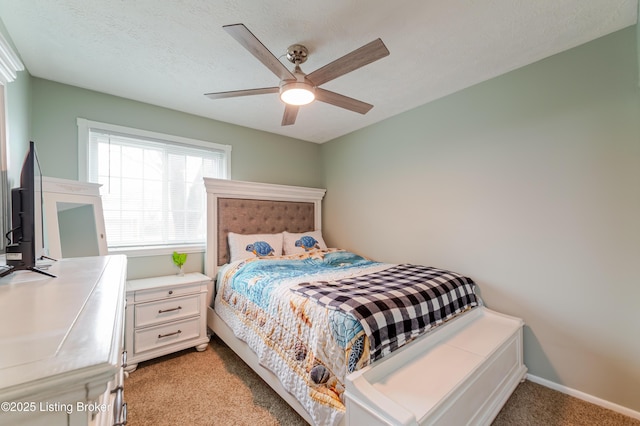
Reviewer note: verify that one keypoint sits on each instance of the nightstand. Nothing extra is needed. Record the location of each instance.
(164, 315)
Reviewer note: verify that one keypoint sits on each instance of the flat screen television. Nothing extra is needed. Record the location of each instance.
(26, 236)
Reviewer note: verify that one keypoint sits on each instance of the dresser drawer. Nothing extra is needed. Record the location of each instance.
(165, 292)
(166, 310)
(167, 334)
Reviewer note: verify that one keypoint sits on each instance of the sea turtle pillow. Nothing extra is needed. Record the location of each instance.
(244, 246)
(303, 242)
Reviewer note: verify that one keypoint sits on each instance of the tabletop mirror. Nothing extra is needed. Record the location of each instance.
(73, 218)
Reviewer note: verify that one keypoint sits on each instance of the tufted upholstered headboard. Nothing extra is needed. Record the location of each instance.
(245, 216)
(255, 208)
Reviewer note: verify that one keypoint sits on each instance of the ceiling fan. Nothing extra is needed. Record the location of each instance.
(297, 88)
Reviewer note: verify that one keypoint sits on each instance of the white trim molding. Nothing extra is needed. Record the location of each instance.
(584, 396)
(157, 250)
(10, 63)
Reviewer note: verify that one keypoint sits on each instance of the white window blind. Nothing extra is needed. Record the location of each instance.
(152, 189)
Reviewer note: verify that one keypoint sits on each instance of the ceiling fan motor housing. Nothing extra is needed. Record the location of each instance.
(299, 91)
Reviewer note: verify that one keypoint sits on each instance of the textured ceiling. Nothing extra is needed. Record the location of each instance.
(170, 52)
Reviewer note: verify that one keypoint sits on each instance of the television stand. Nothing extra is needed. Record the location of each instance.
(9, 269)
(5, 270)
(41, 271)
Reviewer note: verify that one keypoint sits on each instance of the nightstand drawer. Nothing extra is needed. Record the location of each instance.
(167, 334)
(165, 314)
(166, 292)
(166, 310)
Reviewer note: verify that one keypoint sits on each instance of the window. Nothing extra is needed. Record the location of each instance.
(152, 189)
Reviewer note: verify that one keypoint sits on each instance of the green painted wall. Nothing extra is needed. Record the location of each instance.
(256, 155)
(529, 183)
(17, 95)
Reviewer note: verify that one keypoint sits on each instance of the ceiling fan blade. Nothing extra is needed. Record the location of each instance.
(257, 49)
(290, 114)
(342, 101)
(360, 57)
(248, 92)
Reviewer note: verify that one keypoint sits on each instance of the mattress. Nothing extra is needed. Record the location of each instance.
(315, 318)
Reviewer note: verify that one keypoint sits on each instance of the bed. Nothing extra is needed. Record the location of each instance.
(330, 361)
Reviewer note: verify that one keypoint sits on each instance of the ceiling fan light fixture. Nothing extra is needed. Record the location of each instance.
(297, 93)
(295, 88)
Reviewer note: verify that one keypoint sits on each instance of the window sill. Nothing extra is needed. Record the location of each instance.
(156, 250)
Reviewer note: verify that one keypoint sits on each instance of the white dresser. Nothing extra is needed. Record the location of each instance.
(164, 315)
(61, 344)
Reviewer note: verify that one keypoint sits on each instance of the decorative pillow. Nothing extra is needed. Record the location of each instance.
(302, 242)
(244, 246)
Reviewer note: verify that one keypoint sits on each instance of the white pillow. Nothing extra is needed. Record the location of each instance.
(300, 243)
(244, 246)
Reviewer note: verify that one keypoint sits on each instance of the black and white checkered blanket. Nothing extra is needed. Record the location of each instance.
(397, 304)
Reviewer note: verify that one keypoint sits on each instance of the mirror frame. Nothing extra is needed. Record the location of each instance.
(54, 191)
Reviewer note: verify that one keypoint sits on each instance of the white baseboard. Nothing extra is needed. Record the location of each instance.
(584, 396)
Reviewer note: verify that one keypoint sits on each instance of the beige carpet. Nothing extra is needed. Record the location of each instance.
(215, 387)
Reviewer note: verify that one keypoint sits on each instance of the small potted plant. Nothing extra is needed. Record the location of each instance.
(179, 259)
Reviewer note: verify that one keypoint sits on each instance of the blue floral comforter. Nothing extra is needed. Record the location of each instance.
(311, 346)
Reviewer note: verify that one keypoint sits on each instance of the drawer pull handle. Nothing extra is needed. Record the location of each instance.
(162, 311)
(123, 415)
(160, 336)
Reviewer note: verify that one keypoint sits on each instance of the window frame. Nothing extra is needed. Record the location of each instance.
(84, 128)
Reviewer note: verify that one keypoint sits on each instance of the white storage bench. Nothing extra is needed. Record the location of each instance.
(459, 374)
